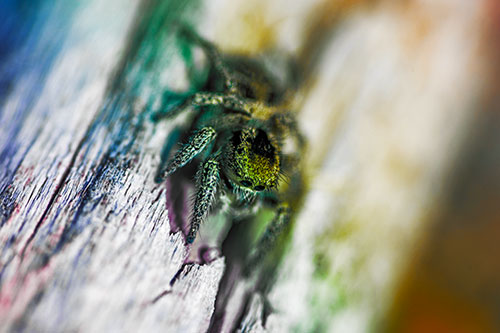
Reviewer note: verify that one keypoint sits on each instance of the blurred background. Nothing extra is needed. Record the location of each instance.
(399, 101)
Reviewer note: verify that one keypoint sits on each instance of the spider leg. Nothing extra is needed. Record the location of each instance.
(195, 145)
(286, 123)
(214, 56)
(206, 187)
(268, 239)
(229, 101)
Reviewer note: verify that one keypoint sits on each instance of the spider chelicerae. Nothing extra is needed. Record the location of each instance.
(249, 139)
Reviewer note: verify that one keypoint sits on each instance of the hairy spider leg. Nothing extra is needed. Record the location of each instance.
(214, 56)
(268, 239)
(231, 102)
(195, 145)
(230, 77)
(228, 123)
(206, 187)
(286, 123)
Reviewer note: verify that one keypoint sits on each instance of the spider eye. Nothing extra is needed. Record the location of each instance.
(259, 188)
(246, 183)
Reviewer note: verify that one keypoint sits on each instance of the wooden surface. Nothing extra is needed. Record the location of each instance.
(89, 239)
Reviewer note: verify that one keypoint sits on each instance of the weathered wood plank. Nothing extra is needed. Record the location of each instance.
(86, 191)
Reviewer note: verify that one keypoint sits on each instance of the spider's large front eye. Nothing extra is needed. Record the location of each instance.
(246, 183)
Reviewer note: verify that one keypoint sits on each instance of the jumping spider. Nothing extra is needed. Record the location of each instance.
(250, 138)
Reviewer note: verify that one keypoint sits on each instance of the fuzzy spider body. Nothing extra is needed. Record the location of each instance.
(241, 126)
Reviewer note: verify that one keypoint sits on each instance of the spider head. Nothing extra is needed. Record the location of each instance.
(253, 160)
